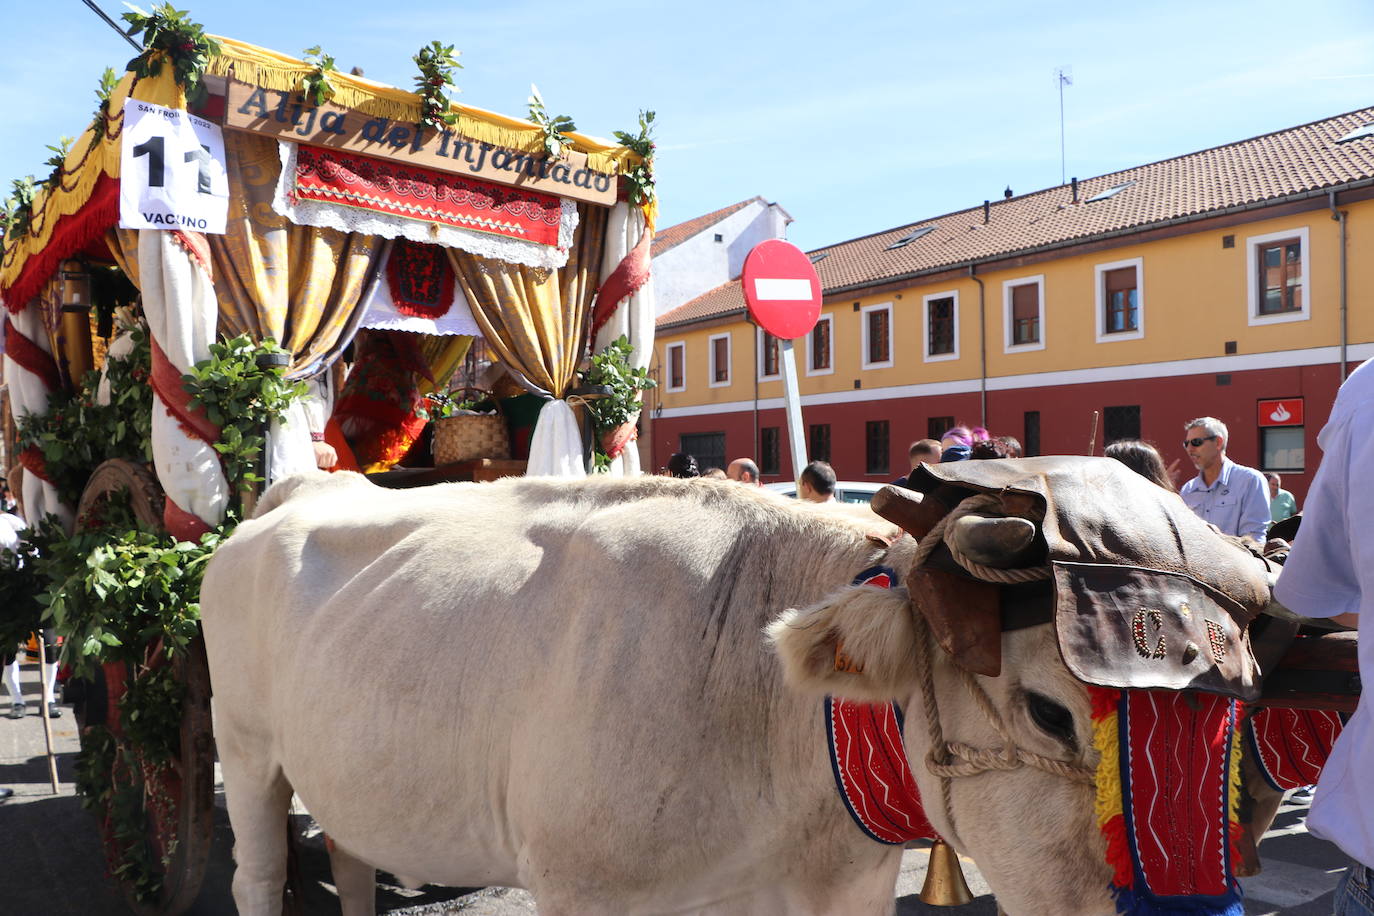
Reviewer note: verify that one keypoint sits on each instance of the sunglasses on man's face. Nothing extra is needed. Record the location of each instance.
(1196, 442)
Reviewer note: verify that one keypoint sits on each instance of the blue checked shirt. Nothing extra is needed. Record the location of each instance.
(1237, 502)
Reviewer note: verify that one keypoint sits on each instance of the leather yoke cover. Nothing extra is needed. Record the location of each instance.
(1124, 626)
(1121, 545)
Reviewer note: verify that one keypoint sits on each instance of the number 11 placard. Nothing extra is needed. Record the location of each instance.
(171, 171)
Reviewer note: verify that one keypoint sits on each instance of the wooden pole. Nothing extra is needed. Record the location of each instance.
(1092, 439)
(43, 711)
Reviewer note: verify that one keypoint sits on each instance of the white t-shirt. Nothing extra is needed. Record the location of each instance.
(1330, 572)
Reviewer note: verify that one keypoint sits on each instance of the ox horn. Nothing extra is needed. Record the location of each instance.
(1001, 543)
(945, 884)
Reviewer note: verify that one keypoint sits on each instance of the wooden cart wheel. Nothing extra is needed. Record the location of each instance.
(175, 799)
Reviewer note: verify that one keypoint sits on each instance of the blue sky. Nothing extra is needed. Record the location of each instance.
(856, 117)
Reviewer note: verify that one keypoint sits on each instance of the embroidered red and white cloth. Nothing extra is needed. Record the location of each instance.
(1176, 769)
(353, 193)
(869, 760)
(1291, 745)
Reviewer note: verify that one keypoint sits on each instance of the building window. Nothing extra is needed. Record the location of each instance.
(769, 351)
(677, 366)
(1120, 423)
(1278, 277)
(1023, 314)
(719, 347)
(1282, 448)
(1030, 440)
(707, 448)
(877, 336)
(876, 451)
(818, 435)
(820, 348)
(938, 426)
(1120, 300)
(942, 326)
(770, 450)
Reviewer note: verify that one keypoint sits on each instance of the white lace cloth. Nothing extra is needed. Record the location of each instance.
(381, 314)
(389, 226)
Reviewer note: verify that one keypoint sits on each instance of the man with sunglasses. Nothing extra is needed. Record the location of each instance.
(1231, 496)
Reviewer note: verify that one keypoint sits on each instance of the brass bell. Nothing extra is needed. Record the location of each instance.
(945, 884)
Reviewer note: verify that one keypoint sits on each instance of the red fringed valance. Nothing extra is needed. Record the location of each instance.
(70, 236)
(395, 189)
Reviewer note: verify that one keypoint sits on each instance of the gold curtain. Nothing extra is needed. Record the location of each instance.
(300, 285)
(123, 244)
(535, 319)
(443, 355)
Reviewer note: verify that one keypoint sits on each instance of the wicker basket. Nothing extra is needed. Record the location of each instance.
(469, 436)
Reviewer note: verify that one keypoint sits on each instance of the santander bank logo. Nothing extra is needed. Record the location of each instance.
(1281, 414)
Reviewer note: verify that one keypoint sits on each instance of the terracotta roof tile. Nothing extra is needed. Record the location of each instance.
(726, 298)
(676, 235)
(1267, 168)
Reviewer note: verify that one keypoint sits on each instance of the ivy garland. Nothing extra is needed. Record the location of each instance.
(77, 433)
(118, 592)
(241, 387)
(610, 369)
(170, 35)
(437, 63)
(18, 210)
(555, 130)
(316, 84)
(640, 179)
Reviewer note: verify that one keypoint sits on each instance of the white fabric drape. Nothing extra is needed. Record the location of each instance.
(29, 395)
(635, 316)
(179, 302)
(556, 446)
(290, 448)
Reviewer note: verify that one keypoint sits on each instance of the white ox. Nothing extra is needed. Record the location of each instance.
(565, 686)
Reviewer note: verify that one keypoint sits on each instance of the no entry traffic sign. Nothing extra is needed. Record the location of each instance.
(781, 289)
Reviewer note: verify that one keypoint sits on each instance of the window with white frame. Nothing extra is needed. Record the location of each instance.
(718, 348)
(1120, 295)
(677, 366)
(877, 335)
(770, 352)
(820, 347)
(1023, 314)
(941, 330)
(1277, 267)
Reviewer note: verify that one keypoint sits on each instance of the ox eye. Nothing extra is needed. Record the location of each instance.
(1052, 718)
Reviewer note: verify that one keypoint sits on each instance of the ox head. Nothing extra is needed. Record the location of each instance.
(1106, 628)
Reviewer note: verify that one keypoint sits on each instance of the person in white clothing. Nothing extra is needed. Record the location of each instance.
(1330, 573)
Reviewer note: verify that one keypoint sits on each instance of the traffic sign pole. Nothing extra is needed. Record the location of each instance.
(792, 398)
(783, 293)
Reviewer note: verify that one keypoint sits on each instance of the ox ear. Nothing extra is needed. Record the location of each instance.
(965, 616)
(859, 644)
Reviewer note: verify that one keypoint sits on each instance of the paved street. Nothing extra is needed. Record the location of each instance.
(52, 858)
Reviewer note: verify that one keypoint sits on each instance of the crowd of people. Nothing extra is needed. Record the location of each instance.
(1237, 499)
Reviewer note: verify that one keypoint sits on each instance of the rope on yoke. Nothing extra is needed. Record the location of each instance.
(948, 759)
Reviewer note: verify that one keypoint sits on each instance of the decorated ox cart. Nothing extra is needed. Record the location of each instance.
(182, 295)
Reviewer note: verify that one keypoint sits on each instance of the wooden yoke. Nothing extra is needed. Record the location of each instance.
(1317, 672)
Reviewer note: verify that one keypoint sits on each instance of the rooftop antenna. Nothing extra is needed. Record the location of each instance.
(111, 23)
(1063, 76)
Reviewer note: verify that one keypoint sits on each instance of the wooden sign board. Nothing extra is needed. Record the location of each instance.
(286, 116)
